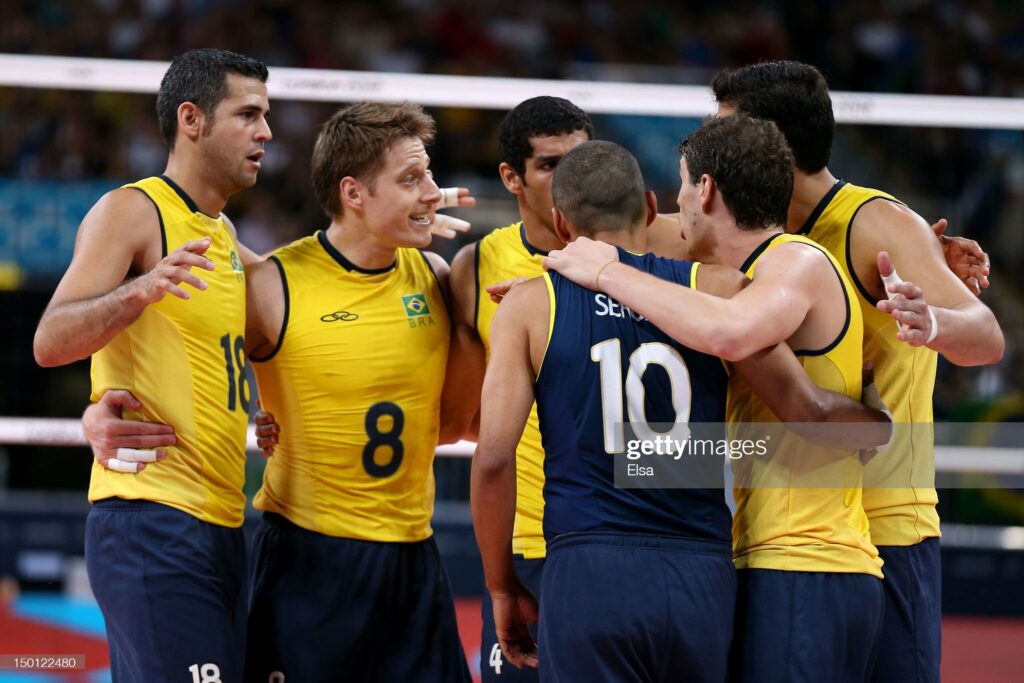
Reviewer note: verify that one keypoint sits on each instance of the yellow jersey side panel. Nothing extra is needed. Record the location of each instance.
(355, 384)
(905, 376)
(185, 361)
(502, 255)
(784, 522)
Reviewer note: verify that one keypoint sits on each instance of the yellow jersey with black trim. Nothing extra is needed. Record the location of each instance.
(900, 496)
(185, 362)
(784, 521)
(355, 384)
(505, 254)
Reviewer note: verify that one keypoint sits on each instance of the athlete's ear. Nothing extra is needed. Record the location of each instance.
(509, 176)
(708, 191)
(652, 207)
(351, 192)
(190, 120)
(561, 224)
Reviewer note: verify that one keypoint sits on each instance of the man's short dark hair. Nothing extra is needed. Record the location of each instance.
(749, 162)
(543, 116)
(599, 187)
(355, 142)
(200, 77)
(794, 96)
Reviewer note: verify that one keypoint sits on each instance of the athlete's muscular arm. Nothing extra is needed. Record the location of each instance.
(765, 313)
(120, 235)
(507, 398)
(464, 378)
(264, 308)
(968, 332)
(778, 379)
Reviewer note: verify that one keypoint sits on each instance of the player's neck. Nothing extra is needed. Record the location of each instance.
(208, 197)
(357, 247)
(539, 235)
(630, 240)
(808, 189)
(738, 245)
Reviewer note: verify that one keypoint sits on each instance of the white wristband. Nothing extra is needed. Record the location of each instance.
(935, 326)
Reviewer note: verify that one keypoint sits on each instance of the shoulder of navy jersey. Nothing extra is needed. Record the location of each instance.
(672, 270)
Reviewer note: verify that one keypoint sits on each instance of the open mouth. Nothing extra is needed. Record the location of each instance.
(255, 158)
(423, 219)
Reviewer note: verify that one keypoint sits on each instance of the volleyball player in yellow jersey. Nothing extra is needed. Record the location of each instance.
(349, 331)
(855, 224)
(534, 136)
(809, 605)
(164, 548)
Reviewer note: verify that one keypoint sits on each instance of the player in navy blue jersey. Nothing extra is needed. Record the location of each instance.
(639, 582)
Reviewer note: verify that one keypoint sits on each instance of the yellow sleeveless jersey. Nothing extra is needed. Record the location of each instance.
(505, 254)
(355, 383)
(905, 376)
(786, 523)
(185, 361)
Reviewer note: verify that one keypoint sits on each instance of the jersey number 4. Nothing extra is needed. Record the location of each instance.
(608, 355)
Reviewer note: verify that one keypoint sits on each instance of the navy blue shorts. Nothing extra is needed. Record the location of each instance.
(172, 592)
(912, 628)
(806, 626)
(494, 668)
(338, 609)
(621, 607)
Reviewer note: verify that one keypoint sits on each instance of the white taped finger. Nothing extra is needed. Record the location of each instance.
(122, 466)
(449, 197)
(443, 222)
(890, 281)
(444, 232)
(135, 455)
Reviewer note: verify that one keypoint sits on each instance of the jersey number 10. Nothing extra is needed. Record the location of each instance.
(608, 355)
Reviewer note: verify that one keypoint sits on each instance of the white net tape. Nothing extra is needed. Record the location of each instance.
(31, 71)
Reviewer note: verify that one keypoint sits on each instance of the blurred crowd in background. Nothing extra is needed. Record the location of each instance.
(974, 177)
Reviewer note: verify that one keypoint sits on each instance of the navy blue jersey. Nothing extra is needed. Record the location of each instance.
(606, 366)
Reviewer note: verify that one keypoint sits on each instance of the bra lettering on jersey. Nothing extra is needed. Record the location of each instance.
(417, 310)
(607, 306)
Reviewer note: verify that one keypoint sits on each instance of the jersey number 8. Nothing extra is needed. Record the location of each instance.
(390, 439)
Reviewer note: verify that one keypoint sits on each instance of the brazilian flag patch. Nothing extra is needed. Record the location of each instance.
(415, 305)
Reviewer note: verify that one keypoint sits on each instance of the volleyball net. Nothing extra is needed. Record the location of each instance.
(626, 99)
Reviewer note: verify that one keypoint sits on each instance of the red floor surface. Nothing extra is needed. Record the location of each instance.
(974, 648)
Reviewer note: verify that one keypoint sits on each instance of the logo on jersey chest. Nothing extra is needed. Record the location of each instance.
(237, 267)
(339, 316)
(417, 310)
